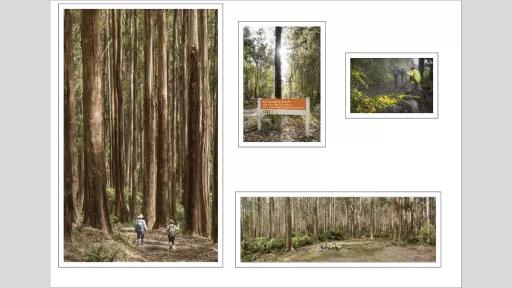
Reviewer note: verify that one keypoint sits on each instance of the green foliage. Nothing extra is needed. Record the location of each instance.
(300, 241)
(111, 197)
(332, 235)
(361, 103)
(302, 78)
(103, 254)
(262, 245)
(257, 245)
(304, 61)
(427, 234)
(358, 80)
(271, 123)
(248, 257)
(276, 243)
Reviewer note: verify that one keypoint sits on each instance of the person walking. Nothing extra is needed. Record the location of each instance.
(140, 228)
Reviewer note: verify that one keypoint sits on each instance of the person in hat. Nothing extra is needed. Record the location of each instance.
(140, 228)
(172, 230)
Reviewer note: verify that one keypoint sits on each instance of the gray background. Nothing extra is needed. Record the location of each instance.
(486, 143)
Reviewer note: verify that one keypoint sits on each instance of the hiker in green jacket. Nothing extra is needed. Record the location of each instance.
(415, 77)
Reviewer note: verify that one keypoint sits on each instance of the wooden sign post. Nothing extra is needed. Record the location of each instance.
(289, 106)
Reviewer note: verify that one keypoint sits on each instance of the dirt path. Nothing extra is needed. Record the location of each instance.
(280, 128)
(355, 251)
(90, 245)
(388, 88)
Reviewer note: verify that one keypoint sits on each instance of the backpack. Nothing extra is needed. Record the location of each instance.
(139, 227)
(172, 230)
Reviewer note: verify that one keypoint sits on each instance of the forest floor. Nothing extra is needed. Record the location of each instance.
(280, 128)
(355, 251)
(414, 103)
(91, 245)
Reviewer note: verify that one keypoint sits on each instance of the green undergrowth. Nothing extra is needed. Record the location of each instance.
(362, 103)
(92, 245)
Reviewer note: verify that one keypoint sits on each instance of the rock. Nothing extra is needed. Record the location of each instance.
(414, 105)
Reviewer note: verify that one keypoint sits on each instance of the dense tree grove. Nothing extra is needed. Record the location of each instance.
(268, 75)
(285, 223)
(140, 119)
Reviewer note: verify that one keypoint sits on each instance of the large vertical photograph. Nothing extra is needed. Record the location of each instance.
(281, 82)
(140, 140)
(338, 229)
(392, 85)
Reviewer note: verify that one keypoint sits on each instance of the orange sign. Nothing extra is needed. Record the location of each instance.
(284, 104)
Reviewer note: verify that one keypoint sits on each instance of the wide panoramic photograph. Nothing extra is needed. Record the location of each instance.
(140, 135)
(338, 229)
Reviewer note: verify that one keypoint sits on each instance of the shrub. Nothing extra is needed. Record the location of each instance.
(258, 245)
(276, 244)
(271, 123)
(262, 245)
(300, 241)
(102, 254)
(427, 234)
(361, 103)
(248, 257)
(332, 235)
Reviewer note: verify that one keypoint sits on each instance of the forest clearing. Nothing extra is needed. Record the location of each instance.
(281, 63)
(140, 134)
(338, 229)
(354, 251)
(391, 85)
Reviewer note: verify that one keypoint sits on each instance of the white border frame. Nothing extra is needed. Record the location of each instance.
(322, 25)
(436, 264)
(57, 131)
(435, 89)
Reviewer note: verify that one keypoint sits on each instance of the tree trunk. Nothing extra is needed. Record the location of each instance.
(214, 229)
(315, 218)
(162, 212)
(428, 209)
(277, 63)
(194, 133)
(70, 151)
(97, 205)
(270, 219)
(174, 127)
(201, 205)
(421, 66)
(372, 218)
(149, 125)
(133, 92)
(288, 208)
(183, 88)
(120, 207)
(256, 81)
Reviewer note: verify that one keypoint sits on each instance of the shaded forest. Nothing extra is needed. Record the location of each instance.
(338, 229)
(391, 85)
(281, 62)
(140, 133)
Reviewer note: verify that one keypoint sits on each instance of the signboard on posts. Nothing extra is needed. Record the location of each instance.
(289, 106)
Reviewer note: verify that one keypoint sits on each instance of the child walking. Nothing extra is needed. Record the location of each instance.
(140, 228)
(171, 233)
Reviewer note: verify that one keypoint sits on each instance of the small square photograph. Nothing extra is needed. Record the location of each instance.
(281, 84)
(392, 85)
(334, 229)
